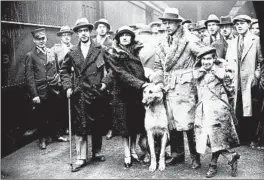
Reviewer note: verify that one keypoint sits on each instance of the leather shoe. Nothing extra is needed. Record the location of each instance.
(211, 171)
(77, 167)
(42, 144)
(109, 135)
(233, 163)
(175, 160)
(196, 162)
(98, 157)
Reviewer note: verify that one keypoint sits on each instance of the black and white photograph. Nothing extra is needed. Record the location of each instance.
(132, 89)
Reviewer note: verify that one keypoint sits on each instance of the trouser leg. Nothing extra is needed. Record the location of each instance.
(215, 156)
(177, 143)
(81, 147)
(192, 143)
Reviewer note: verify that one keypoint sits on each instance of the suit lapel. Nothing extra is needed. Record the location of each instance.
(248, 42)
(91, 56)
(38, 54)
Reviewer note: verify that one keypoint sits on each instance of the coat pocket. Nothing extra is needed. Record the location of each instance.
(185, 78)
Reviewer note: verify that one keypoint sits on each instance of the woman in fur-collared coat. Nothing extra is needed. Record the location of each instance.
(214, 117)
(127, 79)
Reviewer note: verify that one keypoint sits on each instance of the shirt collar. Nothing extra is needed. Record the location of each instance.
(87, 45)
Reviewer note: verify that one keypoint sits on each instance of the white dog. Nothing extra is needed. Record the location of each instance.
(156, 124)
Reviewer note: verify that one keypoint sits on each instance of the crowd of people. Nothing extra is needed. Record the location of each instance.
(212, 73)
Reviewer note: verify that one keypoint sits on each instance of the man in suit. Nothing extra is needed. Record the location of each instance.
(226, 28)
(86, 92)
(216, 39)
(61, 49)
(245, 58)
(202, 32)
(42, 79)
(102, 27)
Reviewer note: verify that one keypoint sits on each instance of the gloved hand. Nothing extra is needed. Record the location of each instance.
(36, 100)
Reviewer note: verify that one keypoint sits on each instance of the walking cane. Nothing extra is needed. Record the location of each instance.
(69, 110)
(70, 132)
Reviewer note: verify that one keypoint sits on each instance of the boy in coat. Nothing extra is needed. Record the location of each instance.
(214, 117)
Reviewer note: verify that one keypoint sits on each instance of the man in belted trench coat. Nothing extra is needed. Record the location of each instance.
(174, 59)
(87, 60)
(42, 79)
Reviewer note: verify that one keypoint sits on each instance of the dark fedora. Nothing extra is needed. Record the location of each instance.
(171, 14)
(186, 21)
(102, 21)
(82, 22)
(206, 50)
(212, 18)
(225, 20)
(64, 29)
(124, 29)
(39, 33)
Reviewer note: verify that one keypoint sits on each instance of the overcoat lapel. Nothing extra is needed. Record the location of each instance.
(248, 42)
(91, 56)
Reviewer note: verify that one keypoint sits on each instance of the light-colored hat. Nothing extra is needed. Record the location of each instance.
(64, 29)
(157, 23)
(124, 29)
(39, 33)
(224, 20)
(102, 21)
(245, 18)
(145, 29)
(81, 23)
(171, 14)
(200, 25)
(212, 18)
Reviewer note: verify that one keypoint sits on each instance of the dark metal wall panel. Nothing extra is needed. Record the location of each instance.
(121, 13)
(55, 13)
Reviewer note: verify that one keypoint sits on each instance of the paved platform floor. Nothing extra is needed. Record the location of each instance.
(30, 162)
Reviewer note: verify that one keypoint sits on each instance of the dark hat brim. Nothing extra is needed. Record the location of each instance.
(61, 32)
(212, 51)
(186, 21)
(229, 23)
(124, 31)
(171, 19)
(100, 22)
(90, 27)
(216, 21)
(244, 20)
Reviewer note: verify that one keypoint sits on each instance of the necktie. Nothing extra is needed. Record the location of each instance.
(170, 39)
(241, 44)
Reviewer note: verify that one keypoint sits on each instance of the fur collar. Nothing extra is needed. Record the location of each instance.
(173, 52)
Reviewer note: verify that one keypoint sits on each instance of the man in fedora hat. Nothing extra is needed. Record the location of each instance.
(226, 28)
(216, 39)
(254, 28)
(245, 57)
(43, 82)
(155, 25)
(202, 32)
(175, 56)
(86, 92)
(186, 23)
(102, 27)
(61, 49)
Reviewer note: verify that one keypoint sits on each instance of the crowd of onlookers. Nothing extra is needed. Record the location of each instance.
(212, 72)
